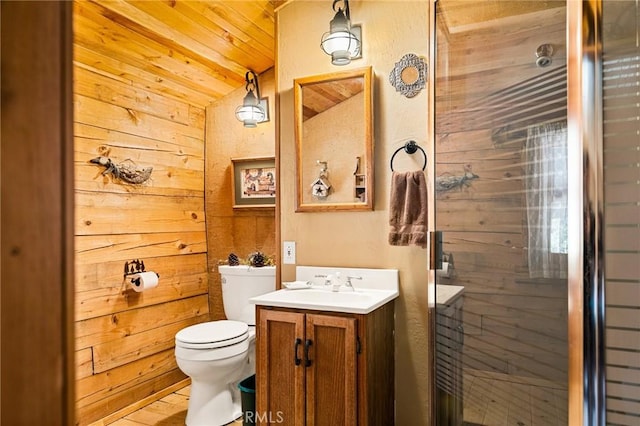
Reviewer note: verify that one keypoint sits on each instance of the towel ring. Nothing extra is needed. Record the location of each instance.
(410, 148)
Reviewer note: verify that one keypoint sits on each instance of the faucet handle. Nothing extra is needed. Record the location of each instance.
(349, 283)
(327, 278)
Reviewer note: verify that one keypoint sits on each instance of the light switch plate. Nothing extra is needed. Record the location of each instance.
(289, 252)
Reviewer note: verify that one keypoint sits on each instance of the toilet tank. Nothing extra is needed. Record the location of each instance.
(239, 284)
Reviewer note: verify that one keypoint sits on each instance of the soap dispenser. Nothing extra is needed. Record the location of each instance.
(336, 283)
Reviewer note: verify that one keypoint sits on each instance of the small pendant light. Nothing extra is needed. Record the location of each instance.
(342, 41)
(252, 111)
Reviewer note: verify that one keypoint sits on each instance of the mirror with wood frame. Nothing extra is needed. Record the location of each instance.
(334, 141)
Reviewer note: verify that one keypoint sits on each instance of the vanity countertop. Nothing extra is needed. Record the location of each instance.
(447, 294)
(371, 288)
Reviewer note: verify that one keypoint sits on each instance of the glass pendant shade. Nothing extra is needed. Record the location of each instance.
(250, 112)
(340, 42)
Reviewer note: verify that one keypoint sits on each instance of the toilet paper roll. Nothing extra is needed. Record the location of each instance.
(144, 281)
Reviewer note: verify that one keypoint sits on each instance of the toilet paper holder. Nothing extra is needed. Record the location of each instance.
(134, 267)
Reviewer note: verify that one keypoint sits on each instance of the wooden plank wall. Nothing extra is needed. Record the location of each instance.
(132, 101)
(512, 324)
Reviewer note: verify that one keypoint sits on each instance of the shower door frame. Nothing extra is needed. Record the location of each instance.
(586, 263)
(585, 238)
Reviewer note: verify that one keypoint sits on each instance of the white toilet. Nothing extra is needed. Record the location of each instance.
(217, 355)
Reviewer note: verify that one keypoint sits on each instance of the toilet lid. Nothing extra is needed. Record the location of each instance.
(213, 334)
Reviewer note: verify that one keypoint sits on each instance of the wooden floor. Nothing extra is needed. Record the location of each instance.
(490, 399)
(168, 411)
(494, 399)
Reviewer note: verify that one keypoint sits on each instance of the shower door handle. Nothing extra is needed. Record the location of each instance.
(435, 250)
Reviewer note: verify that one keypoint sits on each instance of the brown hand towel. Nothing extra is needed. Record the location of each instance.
(408, 209)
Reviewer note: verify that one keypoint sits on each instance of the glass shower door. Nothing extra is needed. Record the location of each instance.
(501, 199)
(621, 151)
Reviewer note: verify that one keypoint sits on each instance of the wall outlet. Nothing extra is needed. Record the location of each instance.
(289, 252)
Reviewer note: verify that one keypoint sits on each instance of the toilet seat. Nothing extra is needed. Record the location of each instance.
(212, 335)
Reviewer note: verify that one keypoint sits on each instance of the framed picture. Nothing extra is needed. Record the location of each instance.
(254, 182)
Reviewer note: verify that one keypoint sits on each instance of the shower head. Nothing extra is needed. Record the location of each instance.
(543, 55)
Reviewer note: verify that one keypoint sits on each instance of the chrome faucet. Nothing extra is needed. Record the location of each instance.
(350, 284)
(337, 282)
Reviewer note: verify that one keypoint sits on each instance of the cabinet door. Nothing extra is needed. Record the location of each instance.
(280, 368)
(331, 370)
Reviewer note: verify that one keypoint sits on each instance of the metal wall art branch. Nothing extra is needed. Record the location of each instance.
(126, 171)
(447, 182)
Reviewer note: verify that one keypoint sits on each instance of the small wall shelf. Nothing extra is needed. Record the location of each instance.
(360, 187)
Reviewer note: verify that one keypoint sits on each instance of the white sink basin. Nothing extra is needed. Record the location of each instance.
(373, 288)
(357, 302)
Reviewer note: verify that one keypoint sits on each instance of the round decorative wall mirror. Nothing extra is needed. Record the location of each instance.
(409, 76)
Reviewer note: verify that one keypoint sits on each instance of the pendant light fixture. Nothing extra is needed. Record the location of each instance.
(253, 109)
(343, 41)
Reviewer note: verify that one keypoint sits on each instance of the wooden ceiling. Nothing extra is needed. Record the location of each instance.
(468, 15)
(199, 50)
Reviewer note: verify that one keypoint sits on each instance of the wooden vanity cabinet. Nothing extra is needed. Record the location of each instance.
(317, 368)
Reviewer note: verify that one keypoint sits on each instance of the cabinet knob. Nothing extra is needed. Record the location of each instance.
(460, 330)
